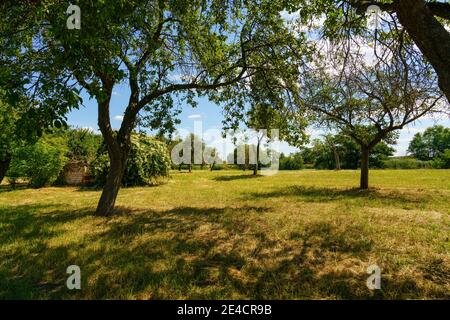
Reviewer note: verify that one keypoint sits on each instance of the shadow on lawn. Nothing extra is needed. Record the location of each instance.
(186, 252)
(315, 194)
(237, 177)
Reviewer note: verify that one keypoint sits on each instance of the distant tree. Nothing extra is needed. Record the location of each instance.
(291, 162)
(192, 144)
(262, 118)
(432, 143)
(324, 157)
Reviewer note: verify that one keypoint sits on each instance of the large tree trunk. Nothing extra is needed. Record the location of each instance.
(430, 37)
(119, 145)
(4, 166)
(113, 183)
(364, 182)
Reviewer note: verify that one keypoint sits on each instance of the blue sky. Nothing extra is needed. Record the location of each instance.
(211, 117)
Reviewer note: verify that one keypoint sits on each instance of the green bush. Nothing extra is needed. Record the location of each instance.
(40, 163)
(442, 161)
(148, 161)
(82, 144)
(406, 163)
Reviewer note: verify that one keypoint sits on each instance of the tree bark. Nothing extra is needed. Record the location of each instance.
(119, 145)
(364, 182)
(4, 166)
(113, 183)
(430, 37)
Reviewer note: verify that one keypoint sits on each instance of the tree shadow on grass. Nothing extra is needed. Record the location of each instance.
(237, 177)
(18, 186)
(316, 194)
(183, 252)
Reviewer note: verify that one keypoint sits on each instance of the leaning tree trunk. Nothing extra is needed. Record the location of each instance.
(429, 35)
(119, 145)
(4, 166)
(113, 183)
(364, 183)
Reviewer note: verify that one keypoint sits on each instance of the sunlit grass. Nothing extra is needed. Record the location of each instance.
(226, 234)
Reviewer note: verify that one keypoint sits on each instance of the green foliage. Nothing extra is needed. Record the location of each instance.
(406, 163)
(39, 163)
(82, 144)
(432, 143)
(443, 161)
(8, 120)
(149, 160)
(291, 162)
(321, 154)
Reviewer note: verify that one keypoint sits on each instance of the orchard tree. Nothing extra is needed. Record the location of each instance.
(163, 51)
(369, 103)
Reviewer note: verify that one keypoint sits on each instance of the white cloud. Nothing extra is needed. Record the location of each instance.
(92, 130)
(118, 118)
(194, 116)
(115, 93)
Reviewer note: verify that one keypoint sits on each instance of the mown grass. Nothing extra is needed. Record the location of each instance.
(227, 235)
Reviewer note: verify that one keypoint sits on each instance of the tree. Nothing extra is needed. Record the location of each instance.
(422, 22)
(369, 103)
(432, 143)
(323, 155)
(262, 118)
(195, 148)
(159, 49)
(291, 162)
(329, 140)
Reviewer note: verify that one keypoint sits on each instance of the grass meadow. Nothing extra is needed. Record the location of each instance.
(228, 235)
